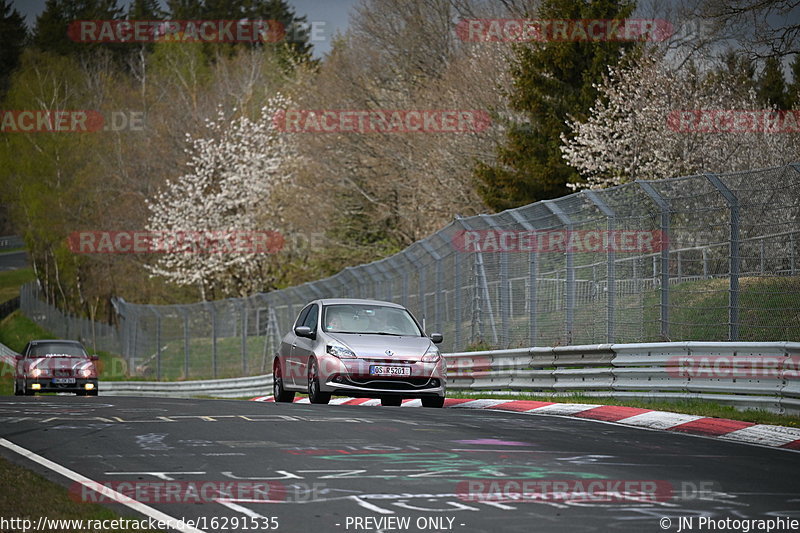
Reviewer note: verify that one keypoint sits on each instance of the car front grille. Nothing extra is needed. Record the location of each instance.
(410, 383)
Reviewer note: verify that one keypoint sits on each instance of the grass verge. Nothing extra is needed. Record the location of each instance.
(689, 407)
(12, 280)
(33, 496)
(17, 329)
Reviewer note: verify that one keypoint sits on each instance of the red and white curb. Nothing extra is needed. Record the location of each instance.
(722, 428)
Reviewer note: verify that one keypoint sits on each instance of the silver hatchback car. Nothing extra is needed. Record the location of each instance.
(360, 348)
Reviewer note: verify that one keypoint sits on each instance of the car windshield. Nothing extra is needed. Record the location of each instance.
(56, 349)
(369, 319)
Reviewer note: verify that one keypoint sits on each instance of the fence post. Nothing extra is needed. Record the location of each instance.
(734, 259)
(504, 296)
(533, 274)
(611, 264)
(369, 268)
(243, 313)
(421, 282)
(458, 300)
(403, 275)
(386, 280)
(312, 286)
(569, 322)
(481, 292)
(353, 277)
(213, 311)
(267, 329)
(437, 294)
(186, 351)
(158, 341)
(663, 206)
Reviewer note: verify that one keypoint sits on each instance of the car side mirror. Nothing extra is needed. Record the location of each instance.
(305, 331)
(436, 338)
(95, 357)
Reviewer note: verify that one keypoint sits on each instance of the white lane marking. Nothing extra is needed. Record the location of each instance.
(108, 493)
(371, 507)
(478, 404)
(658, 419)
(242, 509)
(564, 408)
(764, 434)
(160, 475)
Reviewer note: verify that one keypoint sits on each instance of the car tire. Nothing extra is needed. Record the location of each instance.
(17, 389)
(26, 391)
(315, 395)
(433, 401)
(391, 401)
(92, 393)
(278, 392)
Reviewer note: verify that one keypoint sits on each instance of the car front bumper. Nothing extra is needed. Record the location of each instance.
(47, 385)
(352, 378)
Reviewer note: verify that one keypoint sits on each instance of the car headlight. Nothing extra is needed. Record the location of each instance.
(36, 372)
(86, 372)
(432, 355)
(342, 352)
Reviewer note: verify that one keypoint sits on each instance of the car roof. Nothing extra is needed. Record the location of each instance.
(56, 341)
(357, 301)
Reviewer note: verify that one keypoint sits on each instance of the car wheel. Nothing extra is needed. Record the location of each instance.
(315, 395)
(433, 401)
(278, 392)
(391, 401)
(17, 389)
(92, 392)
(25, 390)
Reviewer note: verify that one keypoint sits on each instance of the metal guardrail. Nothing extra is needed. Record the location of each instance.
(220, 388)
(764, 375)
(7, 355)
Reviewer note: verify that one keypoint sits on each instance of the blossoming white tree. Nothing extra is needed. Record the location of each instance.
(233, 171)
(629, 134)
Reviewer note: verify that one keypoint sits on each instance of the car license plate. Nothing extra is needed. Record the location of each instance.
(378, 370)
(58, 381)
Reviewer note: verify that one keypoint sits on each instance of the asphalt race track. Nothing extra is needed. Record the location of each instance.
(349, 468)
(13, 260)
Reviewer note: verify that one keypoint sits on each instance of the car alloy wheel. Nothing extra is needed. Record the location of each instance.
(315, 395)
(279, 393)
